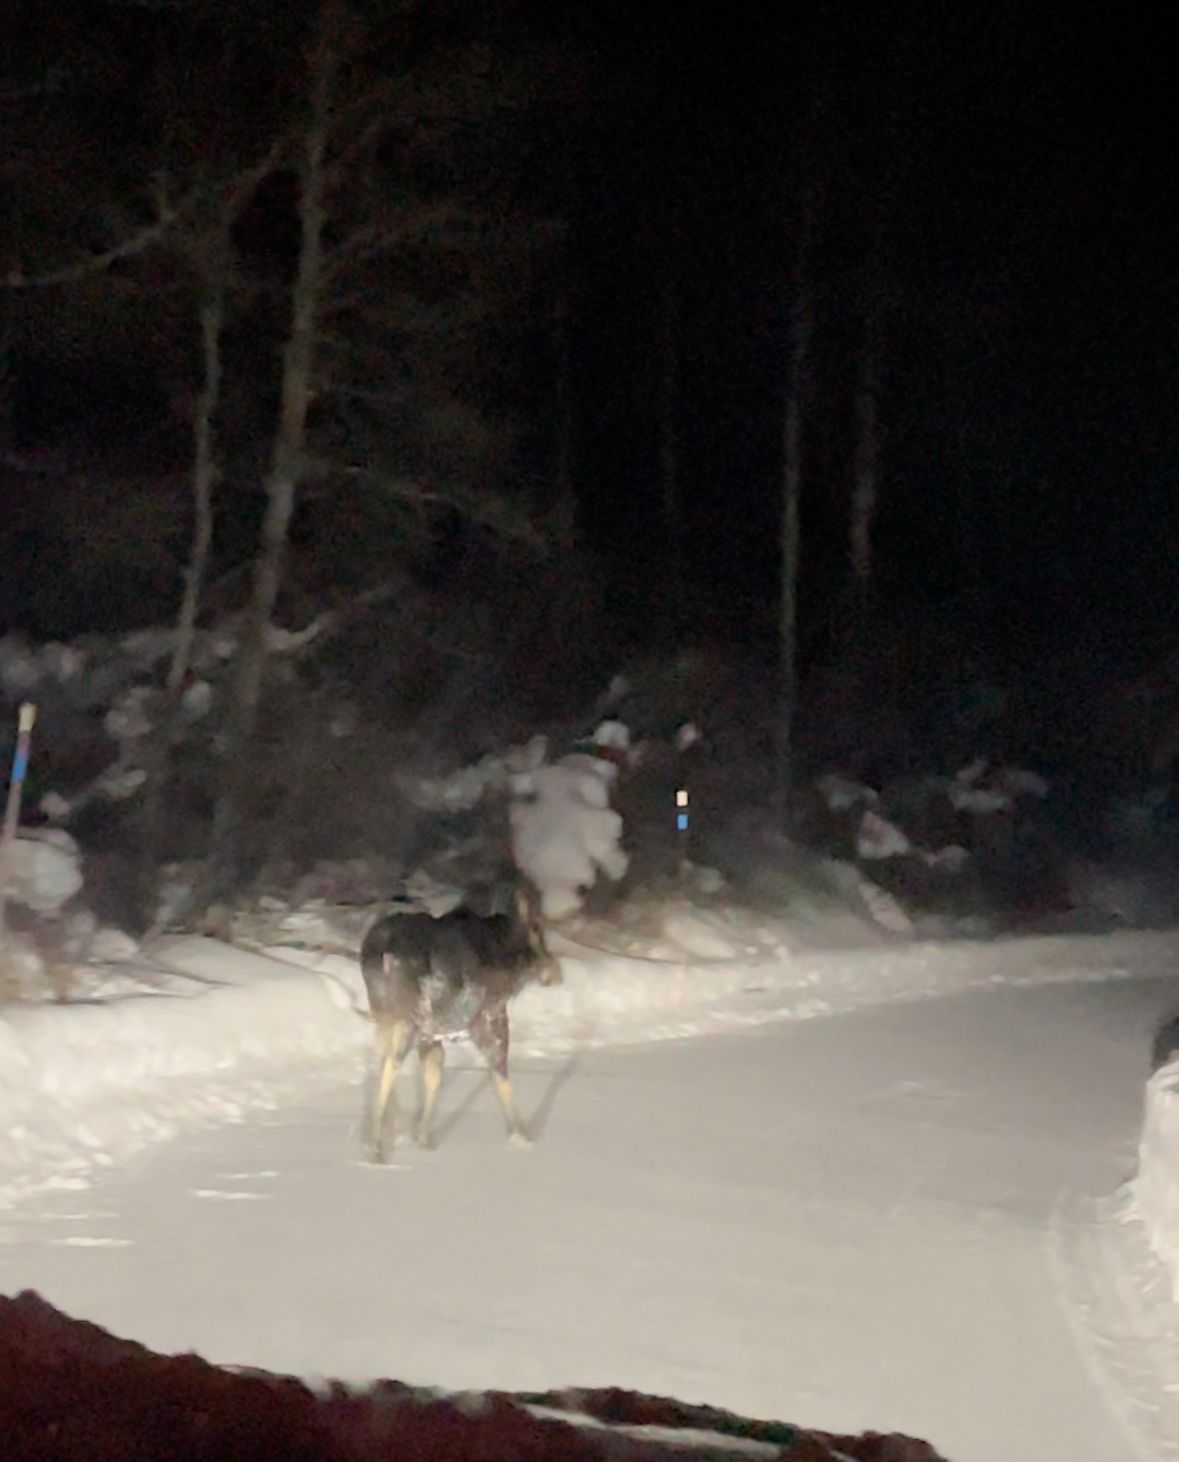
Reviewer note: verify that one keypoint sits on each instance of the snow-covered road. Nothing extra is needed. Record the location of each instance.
(849, 1222)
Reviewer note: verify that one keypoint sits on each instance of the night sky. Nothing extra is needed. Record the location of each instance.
(1001, 183)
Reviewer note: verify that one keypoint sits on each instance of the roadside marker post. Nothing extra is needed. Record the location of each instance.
(681, 802)
(26, 720)
(682, 818)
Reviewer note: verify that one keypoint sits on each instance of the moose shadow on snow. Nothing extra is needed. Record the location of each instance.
(474, 1087)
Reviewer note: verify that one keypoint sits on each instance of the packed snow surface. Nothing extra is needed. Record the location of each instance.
(879, 1188)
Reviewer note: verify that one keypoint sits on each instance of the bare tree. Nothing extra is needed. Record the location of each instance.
(564, 414)
(669, 446)
(801, 331)
(865, 495)
(207, 243)
(148, 237)
(289, 450)
(877, 303)
(214, 265)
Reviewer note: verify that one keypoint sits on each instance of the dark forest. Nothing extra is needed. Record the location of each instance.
(819, 365)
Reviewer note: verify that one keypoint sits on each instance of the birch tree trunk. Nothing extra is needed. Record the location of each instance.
(214, 287)
(865, 496)
(669, 453)
(287, 460)
(565, 420)
(214, 264)
(801, 331)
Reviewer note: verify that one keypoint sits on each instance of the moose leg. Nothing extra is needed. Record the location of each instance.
(393, 1038)
(432, 1056)
(489, 1031)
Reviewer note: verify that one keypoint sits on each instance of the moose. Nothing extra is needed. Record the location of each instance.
(432, 979)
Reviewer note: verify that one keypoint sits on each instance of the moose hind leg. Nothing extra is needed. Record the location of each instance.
(432, 1056)
(490, 1034)
(393, 1038)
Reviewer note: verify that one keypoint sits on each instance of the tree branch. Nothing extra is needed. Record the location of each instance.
(231, 196)
(408, 225)
(144, 239)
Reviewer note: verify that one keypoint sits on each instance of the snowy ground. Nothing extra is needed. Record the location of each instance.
(902, 1215)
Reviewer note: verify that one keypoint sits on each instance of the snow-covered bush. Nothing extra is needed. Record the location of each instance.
(564, 831)
(879, 838)
(464, 789)
(49, 930)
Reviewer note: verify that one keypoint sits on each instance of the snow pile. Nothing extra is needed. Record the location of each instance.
(43, 870)
(1156, 1188)
(82, 1085)
(70, 1389)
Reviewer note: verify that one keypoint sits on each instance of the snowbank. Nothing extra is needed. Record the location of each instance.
(1156, 1189)
(85, 1084)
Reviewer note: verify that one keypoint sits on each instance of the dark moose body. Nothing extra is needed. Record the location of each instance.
(430, 979)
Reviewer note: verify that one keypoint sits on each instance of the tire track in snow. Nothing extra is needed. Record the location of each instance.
(1115, 1296)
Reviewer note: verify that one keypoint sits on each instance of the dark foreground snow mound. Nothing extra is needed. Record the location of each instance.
(70, 1390)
